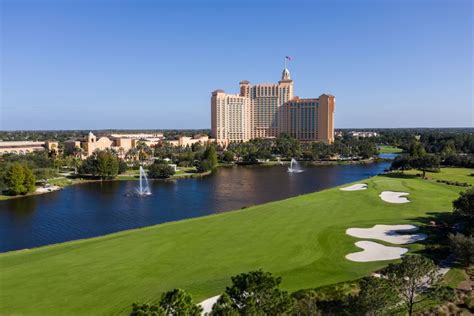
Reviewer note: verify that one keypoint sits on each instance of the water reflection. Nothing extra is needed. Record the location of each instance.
(98, 208)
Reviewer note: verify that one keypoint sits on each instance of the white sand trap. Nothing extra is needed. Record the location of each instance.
(394, 197)
(207, 304)
(375, 252)
(388, 233)
(355, 187)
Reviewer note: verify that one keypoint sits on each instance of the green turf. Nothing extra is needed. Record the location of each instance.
(448, 174)
(301, 239)
(454, 277)
(385, 149)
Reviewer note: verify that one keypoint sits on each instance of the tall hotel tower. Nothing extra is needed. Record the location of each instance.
(266, 110)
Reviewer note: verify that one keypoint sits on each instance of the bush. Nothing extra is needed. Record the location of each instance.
(45, 173)
(103, 164)
(172, 303)
(122, 166)
(203, 166)
(463, 248)
(160, 171)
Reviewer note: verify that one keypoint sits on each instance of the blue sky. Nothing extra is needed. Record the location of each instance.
(153, 64)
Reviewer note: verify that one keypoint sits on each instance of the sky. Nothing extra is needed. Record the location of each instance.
(150, 64)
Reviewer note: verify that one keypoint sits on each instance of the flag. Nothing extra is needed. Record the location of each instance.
(288, 57)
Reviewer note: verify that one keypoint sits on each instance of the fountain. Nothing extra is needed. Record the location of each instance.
(294, 166)
(143, 189)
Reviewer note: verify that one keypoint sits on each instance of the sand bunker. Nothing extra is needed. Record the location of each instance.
(355, 187)
(388, 233)
(375, 252)
(207, 304)
(394, 197)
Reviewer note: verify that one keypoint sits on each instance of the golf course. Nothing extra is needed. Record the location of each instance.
(301, 239)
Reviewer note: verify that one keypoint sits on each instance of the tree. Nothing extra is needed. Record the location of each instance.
(464, 207)
(202, 166)
(122, 166)
(139, 309)
(211, 156)
(172, 303)
(416, 149)
(375, 297)
(306, 304)
(224, 307)
(160, 170)
(402, 162)
(254, 293)
(463, 248)
(228, 156)
(107, 164)
(426, 163)
(30, 180)
(19, 179)
(103, 164)
(15, 179)
(287, 146)
(412, 277)
(178, 302)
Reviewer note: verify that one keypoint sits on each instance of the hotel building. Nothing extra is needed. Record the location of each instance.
(267, 110)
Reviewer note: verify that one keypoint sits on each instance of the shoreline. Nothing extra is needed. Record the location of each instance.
(76, 181)
(173, 222)
(179, 220)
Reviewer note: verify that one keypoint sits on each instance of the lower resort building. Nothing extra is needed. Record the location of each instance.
(122, 143)
(267, 110)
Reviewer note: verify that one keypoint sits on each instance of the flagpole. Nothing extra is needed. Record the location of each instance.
(286, 62)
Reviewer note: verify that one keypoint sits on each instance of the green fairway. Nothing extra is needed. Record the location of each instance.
(385, 149)
(448, 174)
(301, 239)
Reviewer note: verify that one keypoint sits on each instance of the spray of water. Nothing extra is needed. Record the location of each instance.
(295, 166)
(143, 188)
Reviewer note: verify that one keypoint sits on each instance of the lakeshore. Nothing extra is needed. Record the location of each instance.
(182, 173)
(101, 207)
(108, 273)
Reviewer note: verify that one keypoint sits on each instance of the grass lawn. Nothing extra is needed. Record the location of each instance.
(301, 239)
(63, 181)
(385, 149)
(454, 277)
(448, 174)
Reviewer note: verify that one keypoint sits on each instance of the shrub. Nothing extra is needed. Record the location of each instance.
(462, 247)
(160, 171)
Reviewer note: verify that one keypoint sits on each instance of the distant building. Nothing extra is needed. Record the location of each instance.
(269, 109)
(184, 141)
(362, 134)
(25, 147)
(120, 144)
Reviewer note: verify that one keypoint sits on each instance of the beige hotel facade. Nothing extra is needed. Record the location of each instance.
(269, 109)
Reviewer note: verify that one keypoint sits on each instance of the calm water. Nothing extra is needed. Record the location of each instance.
(94, 209)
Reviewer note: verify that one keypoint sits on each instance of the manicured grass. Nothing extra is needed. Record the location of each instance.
(448, 174)
(63, 181)
(454, 277)
(301, 239)
(384, 149)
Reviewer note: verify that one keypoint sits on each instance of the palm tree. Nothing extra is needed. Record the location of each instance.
(131, 154)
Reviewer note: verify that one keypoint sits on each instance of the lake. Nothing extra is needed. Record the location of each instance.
(99, 208)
